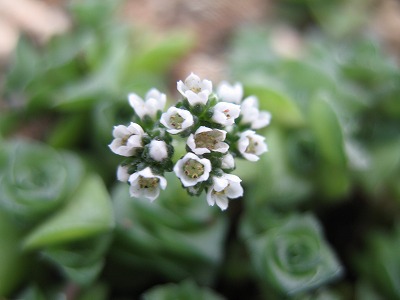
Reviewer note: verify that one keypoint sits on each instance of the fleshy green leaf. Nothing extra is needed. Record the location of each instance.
(288, 257)
(86, 214)
(330, 146)
(13, 262)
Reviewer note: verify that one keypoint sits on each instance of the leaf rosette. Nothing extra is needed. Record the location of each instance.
(293, 257)
(36, 179)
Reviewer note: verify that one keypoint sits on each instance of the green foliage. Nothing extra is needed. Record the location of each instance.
(186, 290)
(383, 268)
(36, 180)
(292, 257)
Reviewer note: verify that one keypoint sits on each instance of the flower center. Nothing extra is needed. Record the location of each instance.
(148, 183)
(176, 121)
(251, 148)
(207, 139)
(192, 168)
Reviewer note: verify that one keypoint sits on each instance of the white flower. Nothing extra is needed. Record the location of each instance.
(176, 120)
(225, 113)
(154, 102)
(195, 89)
(122, 173)
(158, 150)
(251, 115)
(230, 93)
(191, 169)
(224, 187)
(205, 140)
(227, 162)
(145, 183)
(251, 145)
(127, 139)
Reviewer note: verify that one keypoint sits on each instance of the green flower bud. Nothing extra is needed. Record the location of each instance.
(36, 179)
(293, 257)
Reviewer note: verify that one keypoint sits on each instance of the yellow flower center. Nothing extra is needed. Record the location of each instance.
(148, 183)
(176, 121)
(193, 169)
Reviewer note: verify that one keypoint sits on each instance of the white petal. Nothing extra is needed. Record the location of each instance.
(121, 131)
(220, 183)
(235, 190)
(222, 202)
(230, 93)
(264, 118)
(210, 197)
(137, 104)
(134, 141)
(151, 194)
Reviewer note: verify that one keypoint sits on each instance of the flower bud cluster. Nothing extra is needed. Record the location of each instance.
(216, 127)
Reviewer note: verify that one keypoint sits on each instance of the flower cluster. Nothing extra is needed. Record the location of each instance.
(217, 128)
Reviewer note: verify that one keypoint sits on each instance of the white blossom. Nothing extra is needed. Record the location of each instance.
(205, 140)
(176, 120)
(227, 162)
(127, 140)
(251, 114)
(230, 93)
(195, 89)
(145, 183)
(225, 113)
(224, 187)
(154, 101)
(251, 145)
(191, 169)
(158, 150)
(122, 173)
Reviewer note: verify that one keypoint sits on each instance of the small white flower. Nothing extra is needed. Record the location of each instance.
(145, 183)
(122, 173)
(158, 150)
(191, 169)
(227, 162)
(230, 93)
(225, 113)
(251, 145)
(224, 187)
(251, 115)
(195, 89)
(176, 120)
(153, 102)
(127, 139)
(205, 140)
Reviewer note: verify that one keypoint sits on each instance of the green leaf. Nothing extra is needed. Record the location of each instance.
(13, 262)
(88, 213)
(283, 109)
(159, 57)
(330, 146)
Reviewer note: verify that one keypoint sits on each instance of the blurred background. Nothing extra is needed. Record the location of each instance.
(320, 214)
